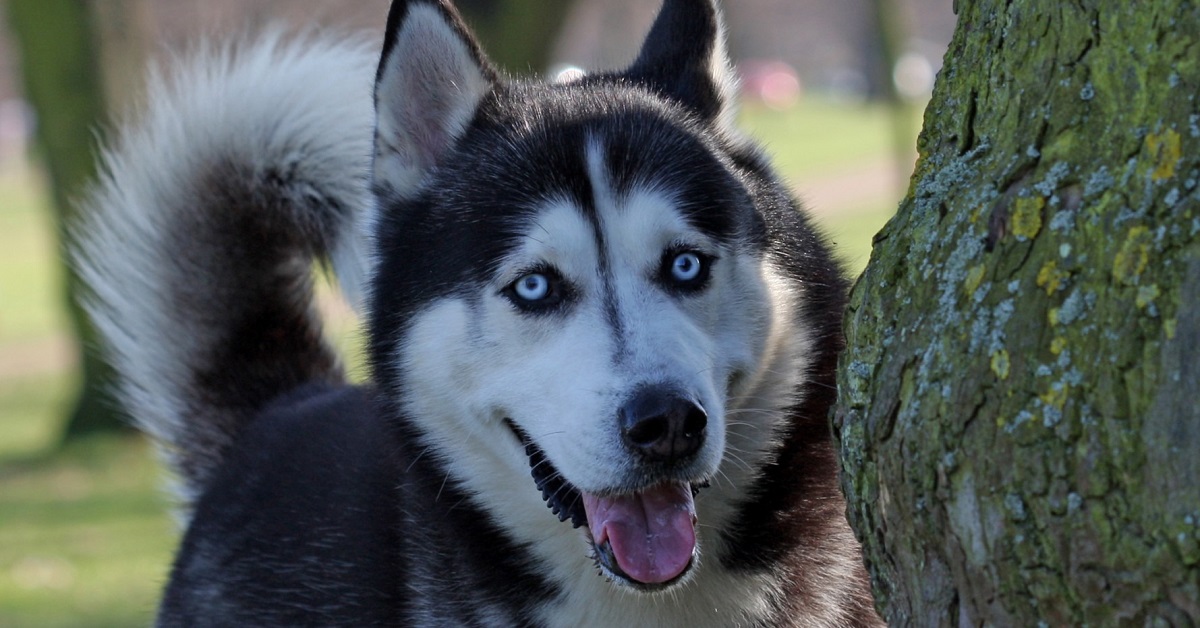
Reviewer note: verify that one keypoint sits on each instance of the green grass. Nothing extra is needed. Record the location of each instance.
(820, 136)
(852, 236)
(30, 285)
(85, 538)
(30, 411)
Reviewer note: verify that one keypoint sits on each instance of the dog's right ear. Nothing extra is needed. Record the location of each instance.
(431, 79)
(685, 59)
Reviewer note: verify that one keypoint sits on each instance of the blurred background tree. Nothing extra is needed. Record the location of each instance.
(62, 50)
(518, 34)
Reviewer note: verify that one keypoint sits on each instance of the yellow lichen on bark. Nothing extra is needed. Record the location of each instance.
(1133, 257)
(1166, 151)
(1027, 217)
(1029, 319)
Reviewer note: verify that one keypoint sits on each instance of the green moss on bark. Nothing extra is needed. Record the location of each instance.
(1017, 418)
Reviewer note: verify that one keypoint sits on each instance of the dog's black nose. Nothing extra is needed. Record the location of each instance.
(662, 425)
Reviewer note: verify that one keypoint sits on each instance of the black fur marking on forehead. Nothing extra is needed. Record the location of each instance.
(642, 156)
(649, 144)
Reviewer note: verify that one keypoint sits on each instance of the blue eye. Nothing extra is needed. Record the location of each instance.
(540, 290)
(532, 287)
(686, 267)
(685, 271)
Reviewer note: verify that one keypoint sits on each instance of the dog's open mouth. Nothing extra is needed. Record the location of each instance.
(647, 539)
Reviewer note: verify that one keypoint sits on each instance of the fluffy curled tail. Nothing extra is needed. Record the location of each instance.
(247, 164)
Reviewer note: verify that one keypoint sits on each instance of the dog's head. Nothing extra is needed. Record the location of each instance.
(572, 277)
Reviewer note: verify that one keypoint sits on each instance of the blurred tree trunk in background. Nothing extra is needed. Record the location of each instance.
(890, 34)
(61, 60)
(1017, 420)
(517, 34)
(123, 29)
(886, 39)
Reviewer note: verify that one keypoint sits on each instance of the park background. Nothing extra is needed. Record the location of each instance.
(833, 88)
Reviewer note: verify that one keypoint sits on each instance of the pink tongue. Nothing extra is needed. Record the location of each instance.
(652, 533)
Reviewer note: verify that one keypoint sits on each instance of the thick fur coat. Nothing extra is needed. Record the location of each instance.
(601, 333)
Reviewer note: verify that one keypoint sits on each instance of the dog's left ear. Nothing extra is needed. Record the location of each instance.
(684, 58)
(431, 79)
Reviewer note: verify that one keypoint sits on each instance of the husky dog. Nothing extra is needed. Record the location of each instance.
(601, 338)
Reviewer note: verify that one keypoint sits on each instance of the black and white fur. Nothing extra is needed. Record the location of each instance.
(599, 278)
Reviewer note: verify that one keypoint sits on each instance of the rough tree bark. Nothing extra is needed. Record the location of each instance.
(1018, 418)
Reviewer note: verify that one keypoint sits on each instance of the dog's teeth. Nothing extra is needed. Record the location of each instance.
(552, 488)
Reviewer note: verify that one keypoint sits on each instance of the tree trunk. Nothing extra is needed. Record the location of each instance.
(1018, 420)
(123, 31)
(518, 34)
(62, 81)
(886, 35)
